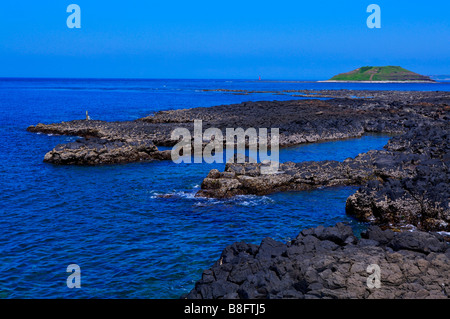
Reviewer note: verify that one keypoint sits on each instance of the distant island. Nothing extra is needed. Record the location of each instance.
(380, 74)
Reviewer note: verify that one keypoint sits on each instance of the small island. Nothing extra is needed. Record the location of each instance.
(380, 74)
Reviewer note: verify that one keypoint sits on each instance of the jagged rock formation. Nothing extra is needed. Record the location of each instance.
(421, 196)
(93, 151)
(331, 263)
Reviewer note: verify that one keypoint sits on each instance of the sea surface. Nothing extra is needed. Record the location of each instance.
(111, 220)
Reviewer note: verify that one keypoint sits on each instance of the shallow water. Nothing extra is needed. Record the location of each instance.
(111, 220)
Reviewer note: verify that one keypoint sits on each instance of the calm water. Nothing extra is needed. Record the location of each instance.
(109, 220)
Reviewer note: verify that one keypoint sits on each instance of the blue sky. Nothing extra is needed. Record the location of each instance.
(220, 39)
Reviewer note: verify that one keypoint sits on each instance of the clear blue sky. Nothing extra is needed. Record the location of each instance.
(220, 39)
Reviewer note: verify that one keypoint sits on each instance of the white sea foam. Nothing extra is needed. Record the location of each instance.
(240, 200)
(253, 200)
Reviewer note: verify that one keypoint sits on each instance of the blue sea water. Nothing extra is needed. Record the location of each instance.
(110, 220)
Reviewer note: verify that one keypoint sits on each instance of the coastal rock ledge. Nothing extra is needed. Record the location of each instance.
(331, 263)
(94, 151)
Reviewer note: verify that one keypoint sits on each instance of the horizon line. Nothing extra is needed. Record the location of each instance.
(150, 78)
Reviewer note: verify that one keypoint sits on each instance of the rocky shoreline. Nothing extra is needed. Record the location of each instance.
(347, 114)
(331, 263)
(403, 187)
(92, 151)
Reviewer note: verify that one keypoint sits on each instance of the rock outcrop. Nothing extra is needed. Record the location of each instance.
(331, 263)
(247, 179)
(94, 151)
(102, 143)
(420, 197)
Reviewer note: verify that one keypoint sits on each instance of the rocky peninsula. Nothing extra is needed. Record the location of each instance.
(346, 114)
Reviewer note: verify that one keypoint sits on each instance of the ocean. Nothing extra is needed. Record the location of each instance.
(111, 220)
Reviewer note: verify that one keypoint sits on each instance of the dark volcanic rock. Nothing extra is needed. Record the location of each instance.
(331, 263)
(93, 151)
(247, 178)
(420, 198)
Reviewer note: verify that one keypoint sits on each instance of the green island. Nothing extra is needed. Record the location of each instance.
(380, 74)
